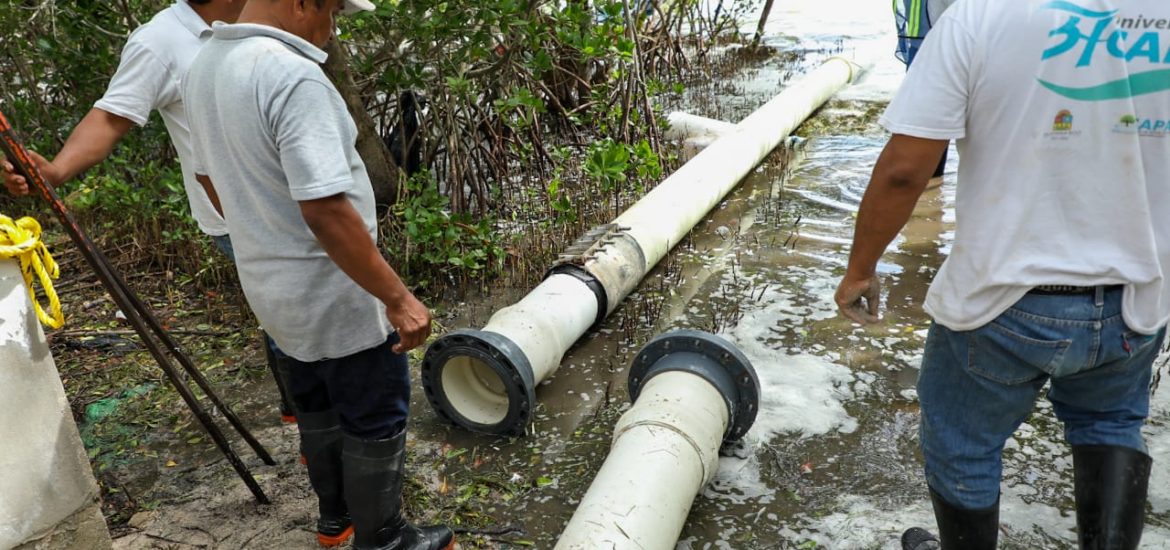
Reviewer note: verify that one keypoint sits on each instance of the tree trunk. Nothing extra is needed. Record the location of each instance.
(380, 167)
(760, 26)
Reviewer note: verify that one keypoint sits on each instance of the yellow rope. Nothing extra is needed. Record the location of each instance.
(22, 239)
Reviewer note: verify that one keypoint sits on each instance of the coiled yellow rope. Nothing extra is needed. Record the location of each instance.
(22, 239)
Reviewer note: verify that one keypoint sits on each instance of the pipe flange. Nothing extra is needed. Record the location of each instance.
(721, 364)
(505, 359)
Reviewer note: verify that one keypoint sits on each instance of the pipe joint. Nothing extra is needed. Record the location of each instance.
(481, 381)
(711, 358)
(595, 286)
(608, 258)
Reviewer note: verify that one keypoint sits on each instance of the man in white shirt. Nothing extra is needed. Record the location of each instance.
(275, 136)
(149, 78)
(1059, 268)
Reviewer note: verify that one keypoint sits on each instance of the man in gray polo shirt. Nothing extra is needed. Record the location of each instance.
(275, 136)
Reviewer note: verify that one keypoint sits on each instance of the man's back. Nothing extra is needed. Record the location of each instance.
(149, 77)
(271, 131)
(1060, 113)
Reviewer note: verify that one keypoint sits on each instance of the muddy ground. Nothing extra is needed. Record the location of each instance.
(831, 463)
(166, 486)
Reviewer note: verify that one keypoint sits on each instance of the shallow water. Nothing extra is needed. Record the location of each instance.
(832, 460)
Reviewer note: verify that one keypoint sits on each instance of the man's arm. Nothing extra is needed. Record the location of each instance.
(341, 232)
(208, 188)
(899, 177)
(90, 143)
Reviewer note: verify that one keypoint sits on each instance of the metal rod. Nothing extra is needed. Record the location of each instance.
(11, 147)
(189, 366)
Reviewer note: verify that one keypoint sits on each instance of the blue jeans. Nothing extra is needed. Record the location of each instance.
(224, 244)
(977, 386)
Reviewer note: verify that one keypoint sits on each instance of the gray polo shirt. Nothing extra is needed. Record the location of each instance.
(271, 130)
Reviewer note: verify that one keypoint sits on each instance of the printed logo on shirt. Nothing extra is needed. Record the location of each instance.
(1090, 35)
(1063, 122)
(1062, 127)
(1127, 124)
(1143, 127)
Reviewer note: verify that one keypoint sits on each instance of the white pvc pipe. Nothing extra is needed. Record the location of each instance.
(548, 319)
(693, 190)
(547, 322)
(665, 449)
(48, 496)
(685, 125)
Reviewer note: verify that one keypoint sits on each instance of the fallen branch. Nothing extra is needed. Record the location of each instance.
(129, 332)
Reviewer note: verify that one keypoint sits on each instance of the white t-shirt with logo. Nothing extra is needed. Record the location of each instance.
(154, 61)
(1061, 112)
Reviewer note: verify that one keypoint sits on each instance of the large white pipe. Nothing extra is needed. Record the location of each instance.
(685, 125)
(692, 391)
(48, 496)
(607, 263)
(688, 194)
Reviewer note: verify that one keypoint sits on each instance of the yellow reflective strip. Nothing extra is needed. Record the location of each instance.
(915, 19)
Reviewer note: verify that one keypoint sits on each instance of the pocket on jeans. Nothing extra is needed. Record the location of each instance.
(1012, 353)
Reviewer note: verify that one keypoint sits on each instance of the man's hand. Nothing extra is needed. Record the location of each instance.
(413, 321)
(16, 183)
(850, 294)
(90, 143)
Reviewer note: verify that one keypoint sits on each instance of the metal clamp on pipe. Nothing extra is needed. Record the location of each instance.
(609, 260)
(692, 392)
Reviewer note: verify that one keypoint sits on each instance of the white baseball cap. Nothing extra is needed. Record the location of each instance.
(353, 6)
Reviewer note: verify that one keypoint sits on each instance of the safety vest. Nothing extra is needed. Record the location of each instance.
(913, 19)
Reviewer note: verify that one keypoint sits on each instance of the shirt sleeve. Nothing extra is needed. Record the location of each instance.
(311, 141)
(199, 166)
(932, 101)
(141, 84)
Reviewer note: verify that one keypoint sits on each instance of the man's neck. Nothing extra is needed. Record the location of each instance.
(214, 11)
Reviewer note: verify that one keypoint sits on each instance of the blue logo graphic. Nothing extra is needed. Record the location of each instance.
(1099, 33)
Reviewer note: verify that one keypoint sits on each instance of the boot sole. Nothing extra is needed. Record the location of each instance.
(329, 541)
(451, 545)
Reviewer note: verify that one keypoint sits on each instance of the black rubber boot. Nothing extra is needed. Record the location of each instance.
(1110, 487)
(288, 413)
(963, 529)
(321, 445)
(373, 484)
(917, 538)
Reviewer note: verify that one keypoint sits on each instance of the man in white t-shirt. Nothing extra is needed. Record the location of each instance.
(1058, 272)
(149, 78)
(275, 136)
